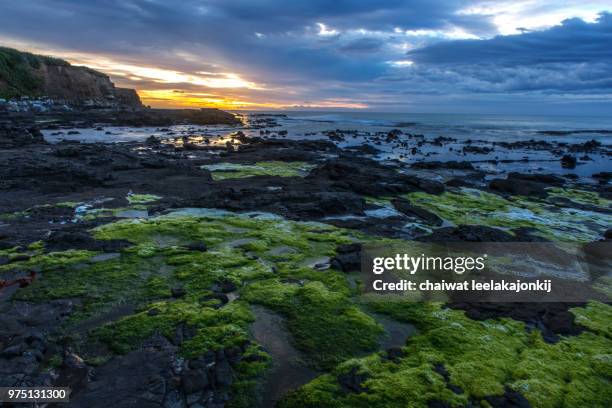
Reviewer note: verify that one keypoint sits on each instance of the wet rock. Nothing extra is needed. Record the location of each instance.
(568, 161)
(73, 373)
(438, 404)
(154, 163)
(19, 258)
(140, 378)
(468, 233)
(224, 286)
(153, 140)
(352, 381)
(347, 258)
(221, 297)
(433, 165)
(16, 136)
(223, 373)
(69, 152)
(369, 177)
(153, 312)
(603, 177)
(440, 369)
(13, 351)
(75, 238)
(295, 202)
(477, 149)
(551, 318)
(194, 380)
(395, 354)
(510, 399)
(462, 182)
(178, 292)
(526, 184)
(366, 149)
(414, 211)
(197, 246)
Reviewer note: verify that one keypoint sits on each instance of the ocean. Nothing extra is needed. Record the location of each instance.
(359, 126)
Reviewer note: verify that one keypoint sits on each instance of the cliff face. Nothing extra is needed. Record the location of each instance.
(25, 74)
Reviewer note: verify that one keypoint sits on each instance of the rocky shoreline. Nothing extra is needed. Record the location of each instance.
(136, 253)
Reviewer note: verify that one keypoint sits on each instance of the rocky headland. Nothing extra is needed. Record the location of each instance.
(40, 92)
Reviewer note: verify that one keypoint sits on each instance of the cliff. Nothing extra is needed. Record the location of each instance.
(25, 74)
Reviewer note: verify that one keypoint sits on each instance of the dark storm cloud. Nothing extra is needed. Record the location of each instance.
(573, 57)
(320, 49)
(225, 30)
(574, 41)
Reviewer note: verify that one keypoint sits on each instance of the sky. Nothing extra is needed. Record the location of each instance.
(441, 56)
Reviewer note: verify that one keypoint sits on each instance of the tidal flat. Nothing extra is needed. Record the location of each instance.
(198, 270)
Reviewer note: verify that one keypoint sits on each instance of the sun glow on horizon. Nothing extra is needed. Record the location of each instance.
(172, 98)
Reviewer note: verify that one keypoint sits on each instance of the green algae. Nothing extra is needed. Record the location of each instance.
(160, 260)
(596, 317)
(324, 324)
(214, 328)
(266, 259)
(46, 262)
(32, 210)
(224, 171)
(380, 201)
(481, 357)
(579, 196)
(324, 296)
(475, 207)
(142, 198)
(68, 204)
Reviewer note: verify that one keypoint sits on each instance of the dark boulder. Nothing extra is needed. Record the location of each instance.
(434, 165)
(352, 381)
(61, 240)
(395, 354)
(369, 177)
(603, 177)
(551, 318)
(73, 373)
(509, 399)
(194, 380)
(568, 161)
(414, 211)
(348, 258)
(526, 184)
